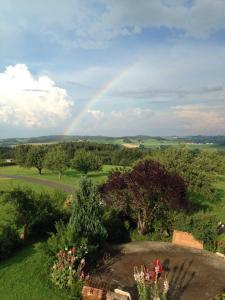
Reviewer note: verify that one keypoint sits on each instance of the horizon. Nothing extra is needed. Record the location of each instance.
(113, 137)
(101, 68)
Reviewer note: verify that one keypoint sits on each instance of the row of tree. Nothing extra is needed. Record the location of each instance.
(56, 159)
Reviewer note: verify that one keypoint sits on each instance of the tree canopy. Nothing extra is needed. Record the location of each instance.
(143, 191)
(85, 162)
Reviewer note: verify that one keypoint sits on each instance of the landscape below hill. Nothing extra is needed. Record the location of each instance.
(194, 142)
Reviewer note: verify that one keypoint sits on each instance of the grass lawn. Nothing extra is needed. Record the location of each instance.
(71, 177)
(23, 277)
(9, 184)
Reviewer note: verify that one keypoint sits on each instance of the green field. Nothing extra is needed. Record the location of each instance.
(23, 277)
(70, 178)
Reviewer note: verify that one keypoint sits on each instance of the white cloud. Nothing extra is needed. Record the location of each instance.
(200, 119)
(178, 120)
(31, 102)
(96, 114)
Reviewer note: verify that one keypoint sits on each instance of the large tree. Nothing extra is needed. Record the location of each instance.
(56, 160)
(21, 154)
(86, 161)
(196, 167)
(144, 191)
(35, 157)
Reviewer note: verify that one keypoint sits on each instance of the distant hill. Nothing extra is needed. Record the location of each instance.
(204, 142)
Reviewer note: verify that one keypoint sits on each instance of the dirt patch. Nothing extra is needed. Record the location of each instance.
(193, 274)
(131, 146)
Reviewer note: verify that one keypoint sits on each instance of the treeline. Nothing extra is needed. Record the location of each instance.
(82, 156)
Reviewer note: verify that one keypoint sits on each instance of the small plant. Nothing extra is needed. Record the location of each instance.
(68, 268)
(152, 283)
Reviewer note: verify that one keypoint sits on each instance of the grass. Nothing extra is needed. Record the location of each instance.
(9, 184)
(24, 277)
(71, 177)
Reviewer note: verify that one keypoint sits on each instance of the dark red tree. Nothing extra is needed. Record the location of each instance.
(143, 191)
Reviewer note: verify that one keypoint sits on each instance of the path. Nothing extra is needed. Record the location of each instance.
(48, 183)
(193, 274)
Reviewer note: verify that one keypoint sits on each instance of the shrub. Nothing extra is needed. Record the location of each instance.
(68, 268)
(116, 225)
(86, 218)
(59, 240)
(9, 240)
(203, 226)
(35, 212)
(221, 243)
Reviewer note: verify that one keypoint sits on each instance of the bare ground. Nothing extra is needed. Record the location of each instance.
(193, 274)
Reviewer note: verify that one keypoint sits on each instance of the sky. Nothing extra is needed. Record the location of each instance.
(114, 68)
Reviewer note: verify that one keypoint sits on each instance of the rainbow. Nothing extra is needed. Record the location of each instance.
(96, 97)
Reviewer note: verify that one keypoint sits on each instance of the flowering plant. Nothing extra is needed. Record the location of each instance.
(68, 267)
(152, 283)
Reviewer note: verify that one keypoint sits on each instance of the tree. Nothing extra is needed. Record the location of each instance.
(35, 157)
(196, 168)
(85, 162)
(56, 160)
(21, 154)
(86, 217)
(34, 212)
(144, 192)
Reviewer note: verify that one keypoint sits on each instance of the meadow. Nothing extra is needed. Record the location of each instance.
(70, 177)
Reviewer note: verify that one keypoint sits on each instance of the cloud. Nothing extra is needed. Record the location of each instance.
(177, 120)
(31, 102)
(96, 114)
(91, 24)
(200, 119)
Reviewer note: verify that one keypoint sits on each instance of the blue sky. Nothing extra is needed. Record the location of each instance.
(57, 56)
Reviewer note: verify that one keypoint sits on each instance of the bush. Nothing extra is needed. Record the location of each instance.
(86, 218)
(9, 240)
(203, 226)
(116, 225)
(35, 212)
(221, 243)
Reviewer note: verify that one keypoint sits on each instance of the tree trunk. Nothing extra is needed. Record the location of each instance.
(142, 223)
(23, 235)
(39, 171)
(60, 175)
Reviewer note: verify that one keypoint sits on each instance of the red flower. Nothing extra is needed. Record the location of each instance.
(157, 266)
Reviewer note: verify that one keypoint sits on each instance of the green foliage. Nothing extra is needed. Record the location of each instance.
(86, 161)
(33, 211)
(86, 217)
(68, 268)
(221, 243)
(56, 160)
(203, 226)
(116, 225)
(59, 240)
(126, 157)
(196, 167)
(21, 154)
(35, 157)
(9, 240)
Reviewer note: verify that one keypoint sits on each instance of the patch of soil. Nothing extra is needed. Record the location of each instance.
(193, 274)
